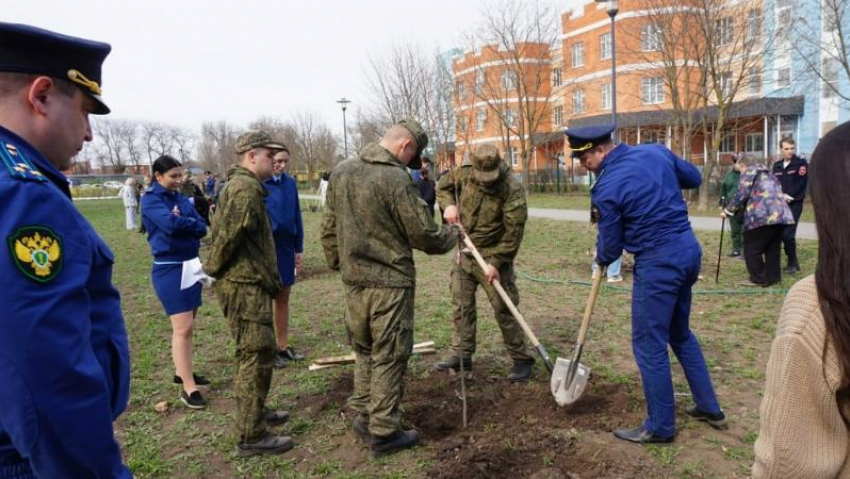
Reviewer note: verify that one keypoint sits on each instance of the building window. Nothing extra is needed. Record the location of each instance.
(754, 143)
(605, 46)
(558, 115)
(650, 37)
(723, 31)
(754, 79)
(510, 118)
(514, 157)
(578, 100)
(754, 22)
(480, 79)
(651, 136)
(727, 144)
(508, 80)
(461, 90)
(652, 90)
(578, 54)
(783, 77)
(726, 84)
(480, 119)
(556, 77)
(830, 77)
(606, 96)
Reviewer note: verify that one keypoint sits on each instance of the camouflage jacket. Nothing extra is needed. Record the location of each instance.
(760, 194)
(373, 219)
(242, 244)
(493, 216)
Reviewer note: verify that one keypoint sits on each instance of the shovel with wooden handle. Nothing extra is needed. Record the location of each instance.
(570, 376)
(522, 324)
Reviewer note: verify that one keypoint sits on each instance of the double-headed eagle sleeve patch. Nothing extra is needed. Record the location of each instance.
(37, 252)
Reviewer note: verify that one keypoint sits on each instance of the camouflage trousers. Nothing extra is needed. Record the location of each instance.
(380, 325)
(248, 309)
(465, 282)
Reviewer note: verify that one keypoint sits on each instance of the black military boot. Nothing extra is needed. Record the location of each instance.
(268, 444)
(453, 362)
(397, 441)
(521, 371)
(361, 428)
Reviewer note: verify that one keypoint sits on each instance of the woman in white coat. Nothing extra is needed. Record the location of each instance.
(131, 202)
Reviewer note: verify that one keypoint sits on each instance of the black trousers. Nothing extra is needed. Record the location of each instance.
(762, 254)
(789, 234)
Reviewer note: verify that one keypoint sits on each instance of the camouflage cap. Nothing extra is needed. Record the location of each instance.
(486, 164)
(415, 129)
(256, 139)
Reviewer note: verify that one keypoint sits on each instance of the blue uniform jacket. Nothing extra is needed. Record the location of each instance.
(64, 358)
(285, 213)
(639, 199)
(172, 237)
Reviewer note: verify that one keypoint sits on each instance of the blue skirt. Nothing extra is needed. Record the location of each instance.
(285, 263)
(166, 283)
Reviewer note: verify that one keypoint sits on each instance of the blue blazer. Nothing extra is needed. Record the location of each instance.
(172, 237)
(285, 213)
(64, 358)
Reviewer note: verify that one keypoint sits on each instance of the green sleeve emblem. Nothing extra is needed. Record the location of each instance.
(37, 252)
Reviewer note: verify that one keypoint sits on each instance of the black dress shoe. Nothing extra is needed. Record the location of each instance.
(717, 421)
(791, 270)
(641, 436)
(199, 380)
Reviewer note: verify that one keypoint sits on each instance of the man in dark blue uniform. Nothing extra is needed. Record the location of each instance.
(793, 173)
(638, 197)
(64, 360)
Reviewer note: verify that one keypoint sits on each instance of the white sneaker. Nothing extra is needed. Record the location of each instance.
(615, 279)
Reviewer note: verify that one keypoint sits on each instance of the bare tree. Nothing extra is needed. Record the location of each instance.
(110, 144)
(312, 144)
(366, 128)
(217, 148)
(732, 48)
(183, 139)
(822, 44)
(520, 34)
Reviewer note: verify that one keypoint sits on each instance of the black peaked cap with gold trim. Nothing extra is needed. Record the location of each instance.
(28, 49)
(586, 137)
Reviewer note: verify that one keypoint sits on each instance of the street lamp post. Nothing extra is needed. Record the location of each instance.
(612, 7)
(344, 102)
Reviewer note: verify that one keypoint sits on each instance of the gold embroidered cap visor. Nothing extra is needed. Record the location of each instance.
(584, 138)
(28, 49)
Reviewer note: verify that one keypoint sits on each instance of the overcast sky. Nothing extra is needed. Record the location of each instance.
(187, 61)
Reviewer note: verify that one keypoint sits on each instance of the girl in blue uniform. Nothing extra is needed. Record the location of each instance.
(174, 231)
(288, 229)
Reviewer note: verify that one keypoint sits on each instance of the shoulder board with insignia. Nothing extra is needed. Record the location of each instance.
(18, 165)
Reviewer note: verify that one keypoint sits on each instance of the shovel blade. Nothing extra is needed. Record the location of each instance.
(566, 394)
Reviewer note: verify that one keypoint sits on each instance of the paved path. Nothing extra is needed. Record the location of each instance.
(804, 230)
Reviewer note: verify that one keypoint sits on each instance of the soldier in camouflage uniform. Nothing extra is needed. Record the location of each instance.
(244, 263)
(373, 219)
(493, 212)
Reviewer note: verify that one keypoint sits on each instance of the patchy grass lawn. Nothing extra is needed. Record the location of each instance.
(514, 430)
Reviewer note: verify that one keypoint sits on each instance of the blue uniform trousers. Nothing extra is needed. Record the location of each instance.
(661, 306)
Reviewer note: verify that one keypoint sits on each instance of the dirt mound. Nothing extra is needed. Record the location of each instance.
(514, 430)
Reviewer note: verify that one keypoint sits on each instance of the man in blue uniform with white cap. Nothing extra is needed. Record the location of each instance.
(64, 359)
(638, 197)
